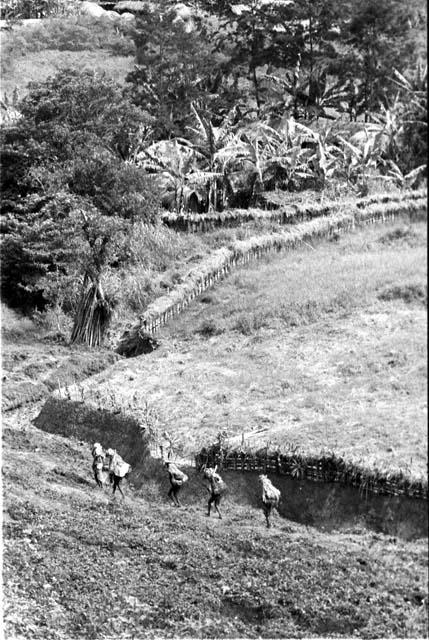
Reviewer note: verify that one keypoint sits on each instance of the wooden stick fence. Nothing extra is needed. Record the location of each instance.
(317, 469)
(222, 261)
(285, 214)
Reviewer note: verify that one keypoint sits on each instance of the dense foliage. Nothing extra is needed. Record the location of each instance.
(66, 159)
(225, 101)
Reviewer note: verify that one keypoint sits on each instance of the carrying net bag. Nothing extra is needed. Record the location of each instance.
(270, 494)
(118, 466)
(177, 476)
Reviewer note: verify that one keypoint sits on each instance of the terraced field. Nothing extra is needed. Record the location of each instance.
(323, 347)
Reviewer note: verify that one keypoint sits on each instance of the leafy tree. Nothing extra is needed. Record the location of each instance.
(116, 188)
(72, 115)
(379, 33)
(75, 109)
(65, 172)
(39, 240)
(175, 67)
(255, 34)
(22, 9)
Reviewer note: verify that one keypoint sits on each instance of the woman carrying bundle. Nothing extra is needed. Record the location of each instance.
(217, 489)
(177, 479)
(270, 497)
(118, 470)
(98, 456)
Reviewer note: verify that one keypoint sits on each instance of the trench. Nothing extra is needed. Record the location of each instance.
(331, 506)
(328, 506)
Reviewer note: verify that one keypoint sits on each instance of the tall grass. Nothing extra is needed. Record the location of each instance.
(307, 285)
(158, 258)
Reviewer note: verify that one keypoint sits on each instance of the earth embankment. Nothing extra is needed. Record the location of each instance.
(327, 506)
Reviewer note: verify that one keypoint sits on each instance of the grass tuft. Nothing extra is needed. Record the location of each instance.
(408, 292)
(209, 328)
(403, 234)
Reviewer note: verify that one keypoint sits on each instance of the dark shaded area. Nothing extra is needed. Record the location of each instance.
(136, 342)
(76, 420)
(409, 293)
(330, 506)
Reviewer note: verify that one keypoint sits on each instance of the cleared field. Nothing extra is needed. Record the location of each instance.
(321, 348)
(79, 564)
(34, 52)
(38, 66)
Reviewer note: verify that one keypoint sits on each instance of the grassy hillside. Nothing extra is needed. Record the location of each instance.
(33, 53)
(37, 67)
(322, 348)
(79, 564)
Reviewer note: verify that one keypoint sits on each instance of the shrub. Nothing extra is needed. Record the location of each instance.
(53, 322)
(208, 298)
(247, 323)
(408, 292)
(16, 326)
(406, 235)
(210, 328)
(115, 188)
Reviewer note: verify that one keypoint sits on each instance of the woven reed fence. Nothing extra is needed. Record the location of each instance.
(222, 261)
(317, 469)
(283, 214)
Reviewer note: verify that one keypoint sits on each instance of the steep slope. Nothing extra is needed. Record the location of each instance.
(78, 563)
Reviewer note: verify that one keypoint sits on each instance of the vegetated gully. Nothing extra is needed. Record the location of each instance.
(328, 506)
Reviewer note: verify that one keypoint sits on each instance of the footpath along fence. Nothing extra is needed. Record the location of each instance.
(324, 468)
(222, 261)
(282, 214)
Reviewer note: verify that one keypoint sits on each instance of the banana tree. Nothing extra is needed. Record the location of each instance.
(176, 170)
(324, 157)
(415, 89)
(208, 143)
(359, 162)
(412, 108)
(284, 155)
(403, 181)
(315, 94)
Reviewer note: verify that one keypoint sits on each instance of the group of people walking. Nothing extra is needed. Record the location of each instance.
(109, 467)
